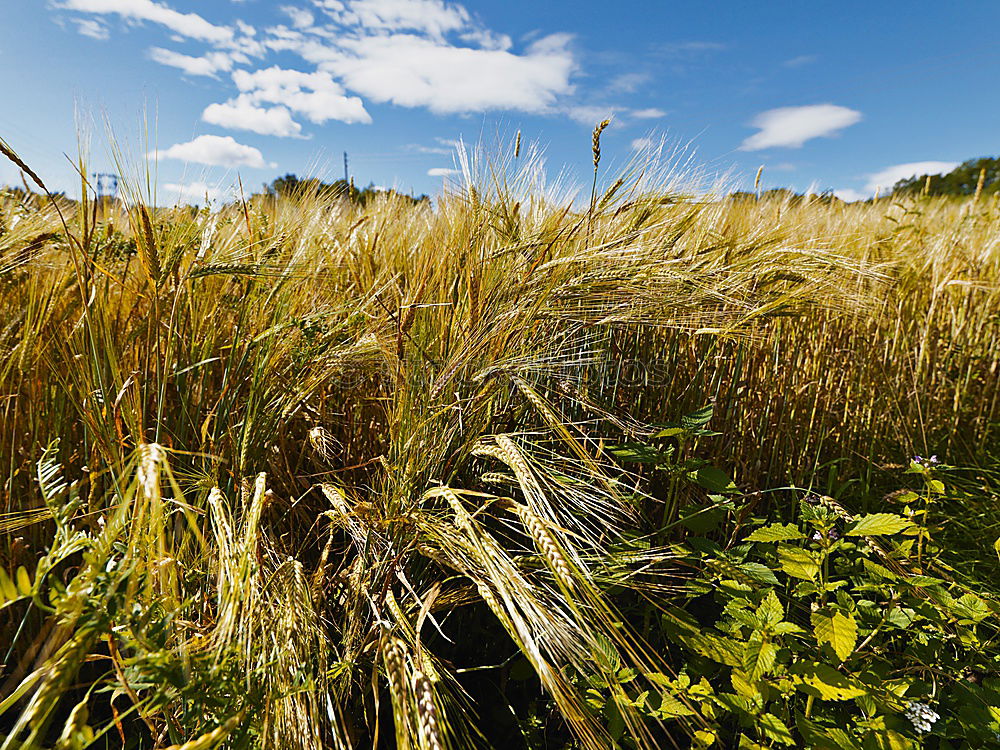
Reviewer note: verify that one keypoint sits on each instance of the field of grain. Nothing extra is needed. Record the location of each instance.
(296, 472)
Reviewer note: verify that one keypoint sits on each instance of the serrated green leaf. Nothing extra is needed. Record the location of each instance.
(893, 740)
(879, 570)
(770, 612)
(679, 627)
(823, 738)
(703, 739)
(759, 572)
(901, 617)
(824, 682)
(919, 580)
(605, 654)
(775, 729)
(875, 524)
(758, 656)
(669, 431)
(672, 708)
(782, 628)
(638, 453)
(698, 418)
(715, 480)
(797, 562)
(837, 629)
(776, 532)
(736, 704)
(744, 686)
(971, 607)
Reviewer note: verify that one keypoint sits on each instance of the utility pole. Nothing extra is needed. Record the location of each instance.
(347, 179)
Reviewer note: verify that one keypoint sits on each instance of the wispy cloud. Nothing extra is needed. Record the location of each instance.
(591, 114)
(651, 113)
(850, 195)
(192, 192)
(93, 29)
(886, 178)
(216, 151)
(627, 83)
(442, 172)
(790, 127)
(798, 62)
(190, 25)
(208, 64)
(445, 147)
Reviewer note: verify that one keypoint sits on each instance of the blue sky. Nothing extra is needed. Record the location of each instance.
(844, 96)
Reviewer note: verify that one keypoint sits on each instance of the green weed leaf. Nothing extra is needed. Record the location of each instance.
(837, 629)
(776, 532)
(875, 524)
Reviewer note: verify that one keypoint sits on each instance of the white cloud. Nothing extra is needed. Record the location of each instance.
(889, 176)
(850, 195)
(790, 127)
(242, 114)
(432, 17)
(884, 180)
(194, 192)
(641, 144)
(93, 29)
(216, 151)
(445, 147)
(628, 82)
(442, 172)
(207, 65)
(415, 71)
(186, 24)
(431, 54)
(315, 95)
(301, 18)
(652, 113)
(590, 114)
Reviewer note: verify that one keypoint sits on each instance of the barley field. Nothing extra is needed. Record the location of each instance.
(655, 468)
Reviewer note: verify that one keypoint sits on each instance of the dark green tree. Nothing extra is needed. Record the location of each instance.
(962, 180)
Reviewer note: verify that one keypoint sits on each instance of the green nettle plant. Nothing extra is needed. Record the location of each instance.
(830, 631)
